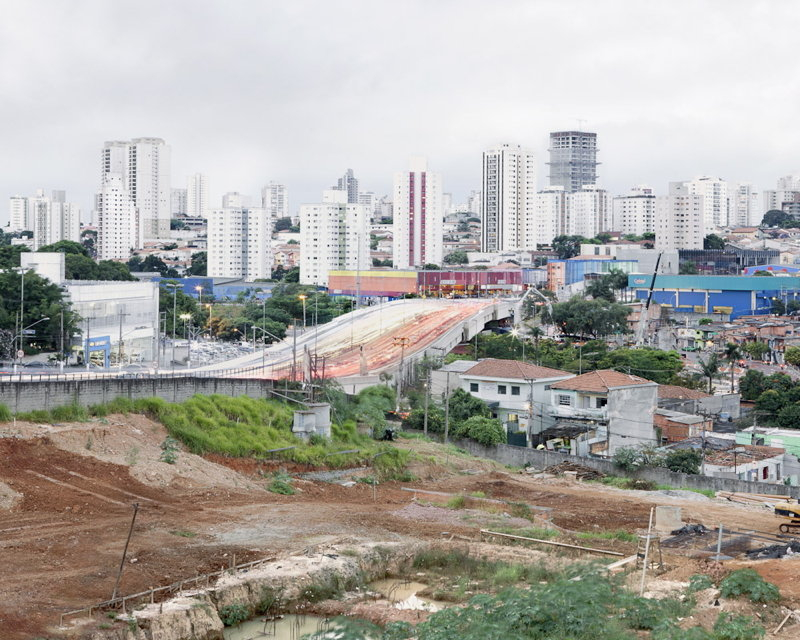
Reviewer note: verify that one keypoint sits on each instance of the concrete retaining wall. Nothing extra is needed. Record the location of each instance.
(28, 396)
(522, 456)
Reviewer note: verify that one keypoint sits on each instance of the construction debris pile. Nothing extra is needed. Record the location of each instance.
(690, 530)
(775, 551)
(583, 473)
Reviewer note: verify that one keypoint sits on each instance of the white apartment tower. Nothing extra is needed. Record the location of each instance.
(239, 243)
(788, 190)
(18, 214)
(715, 201)
(588, 212)
(680, 219)
(50, 218)
(178, 205)
(635, 213)
(197, 196)
(507, 205)
(334, 234)
(275, 199)
(144, 167)
(418, 217)
(550, 206)
(117, 223)
(744, 206)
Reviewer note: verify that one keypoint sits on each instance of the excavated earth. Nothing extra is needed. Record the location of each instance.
(65, 510)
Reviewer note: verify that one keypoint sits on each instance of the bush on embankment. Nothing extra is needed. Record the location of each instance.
(240, 426)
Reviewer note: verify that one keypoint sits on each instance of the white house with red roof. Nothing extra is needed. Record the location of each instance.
(617, 407)
(516, 392)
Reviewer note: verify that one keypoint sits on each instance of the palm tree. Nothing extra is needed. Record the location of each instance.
(732, 354)
(710, 368)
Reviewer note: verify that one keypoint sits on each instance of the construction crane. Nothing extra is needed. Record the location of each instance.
(643, 316)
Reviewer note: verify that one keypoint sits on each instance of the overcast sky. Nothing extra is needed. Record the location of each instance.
(297, 91)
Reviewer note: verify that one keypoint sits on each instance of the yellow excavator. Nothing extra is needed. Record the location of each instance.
(790, 512)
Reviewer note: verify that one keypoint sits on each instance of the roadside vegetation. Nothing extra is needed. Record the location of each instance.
(240, 427)
(527, 602)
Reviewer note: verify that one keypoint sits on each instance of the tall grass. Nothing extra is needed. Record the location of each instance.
(237, 427)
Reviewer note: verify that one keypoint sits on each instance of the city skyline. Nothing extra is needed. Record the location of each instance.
(300, 99)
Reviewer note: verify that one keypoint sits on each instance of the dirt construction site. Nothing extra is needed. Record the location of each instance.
(66, 495)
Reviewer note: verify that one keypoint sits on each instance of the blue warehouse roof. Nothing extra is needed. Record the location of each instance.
(715, 283)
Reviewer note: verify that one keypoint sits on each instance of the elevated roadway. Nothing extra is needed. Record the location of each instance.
(357, 347)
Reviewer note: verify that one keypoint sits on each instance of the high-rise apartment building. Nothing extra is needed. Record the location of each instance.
(236, 200)
(178, 202)
(573, 159)
(370, 201)
(588, 212)
(635, 213)
(118, 230)
(549, 217)
(334, 234)
(275, 199)
(744, 205)
(715, 200)
(349, 184)
(50, 218)
(474, 203)
(239, 243)
(787, 191)
(18, 214)
(144, 167)
(680, 219)
(418, 216)
(197, 196)
(508, 187)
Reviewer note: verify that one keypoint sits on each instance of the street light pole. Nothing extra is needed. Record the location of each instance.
(303, 297)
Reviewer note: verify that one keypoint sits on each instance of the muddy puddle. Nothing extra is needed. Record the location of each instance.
(405, 592)
(290, 627)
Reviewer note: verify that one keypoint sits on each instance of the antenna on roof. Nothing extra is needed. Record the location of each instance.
(581, 122)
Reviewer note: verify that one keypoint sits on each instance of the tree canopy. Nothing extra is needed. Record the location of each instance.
(775, 218)
(567, 246)
(588, 318)
(713, 241)
(43, 299)
(456, 257)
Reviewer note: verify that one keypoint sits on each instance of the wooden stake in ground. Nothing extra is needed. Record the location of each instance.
(125, 551)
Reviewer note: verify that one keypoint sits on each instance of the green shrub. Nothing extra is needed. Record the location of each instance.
(5, 413)
(282, 484)
(730, 626)
(69, 413)
(699, 582)
(747, 582)
(486, 431)
(456, 502)
(169, 450)
(234, 614)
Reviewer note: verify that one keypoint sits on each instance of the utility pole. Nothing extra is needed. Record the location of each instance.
(125, 551)
(294, 350)
(403, 342)
(427, 397)
(119, 346)
(61, 341)
(447, 408)
(530, 413)
(86, 350)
